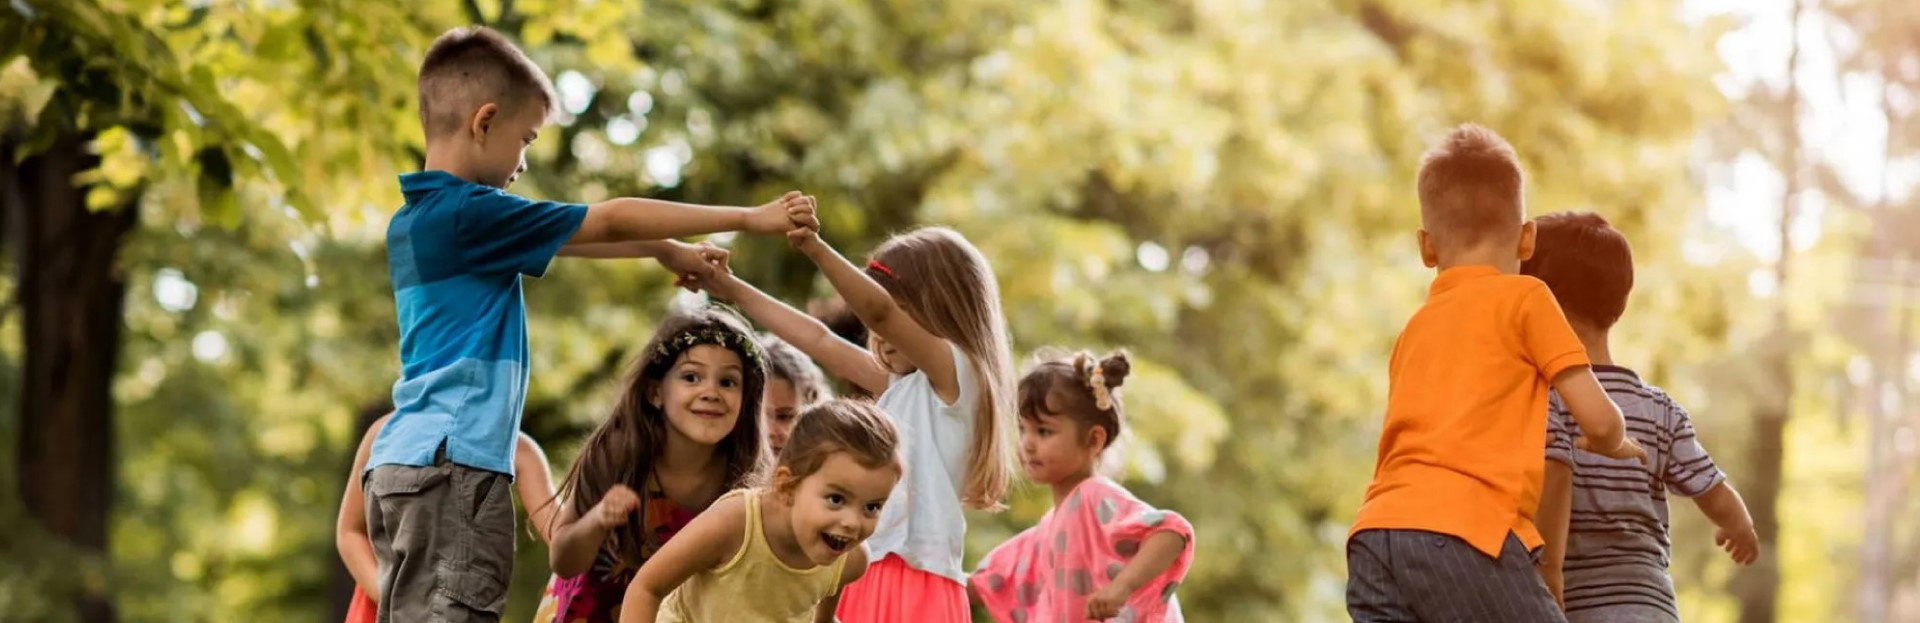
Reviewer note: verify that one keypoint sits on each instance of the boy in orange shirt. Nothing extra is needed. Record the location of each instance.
(1446, 532)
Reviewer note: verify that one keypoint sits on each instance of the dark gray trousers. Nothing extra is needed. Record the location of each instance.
(1408, 576)
(444, 539)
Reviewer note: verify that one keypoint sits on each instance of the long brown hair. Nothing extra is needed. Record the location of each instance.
(621, 451)
(947, 286)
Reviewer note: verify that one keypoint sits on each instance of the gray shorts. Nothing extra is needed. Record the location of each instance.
(1408, 576)
(444, 539)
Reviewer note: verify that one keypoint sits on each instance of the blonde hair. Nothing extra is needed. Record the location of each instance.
(947, 286)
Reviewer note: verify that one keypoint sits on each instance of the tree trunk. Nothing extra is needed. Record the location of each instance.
(70, 295)
(1758, 586)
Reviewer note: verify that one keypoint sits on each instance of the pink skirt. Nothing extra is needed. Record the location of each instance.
(892, 591)
(362, 609)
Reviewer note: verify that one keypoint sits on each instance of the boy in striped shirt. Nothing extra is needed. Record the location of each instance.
(1607, 518)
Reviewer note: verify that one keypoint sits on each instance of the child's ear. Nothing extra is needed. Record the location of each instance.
(653, 396)
(1428, 255)
(783, 483)
(483, 120)
(1527, 233)
(1097, 437)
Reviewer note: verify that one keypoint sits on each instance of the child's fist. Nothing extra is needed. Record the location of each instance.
(775, 217)
(1106, 603)
(1742, 544)
(615, 507)
(1629, 449)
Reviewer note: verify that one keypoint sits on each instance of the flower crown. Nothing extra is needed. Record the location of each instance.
(672, 347)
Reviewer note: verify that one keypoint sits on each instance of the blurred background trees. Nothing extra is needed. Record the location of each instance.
(198, 325)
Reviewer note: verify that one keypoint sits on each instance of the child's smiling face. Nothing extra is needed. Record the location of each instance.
(701, 394)
(837, 507)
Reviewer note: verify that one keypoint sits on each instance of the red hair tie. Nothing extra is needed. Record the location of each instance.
(881, 268)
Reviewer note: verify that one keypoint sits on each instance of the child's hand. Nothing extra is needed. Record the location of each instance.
(775, 217)
(1629, 449)
(1107, 602)
(685, 262)
(615, 507)
(714, 275)
(1743, 544)
(805, 222)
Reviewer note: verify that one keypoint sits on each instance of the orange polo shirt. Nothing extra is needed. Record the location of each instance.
(1467, 410)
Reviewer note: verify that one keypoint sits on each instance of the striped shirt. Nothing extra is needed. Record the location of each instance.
(1617, 545)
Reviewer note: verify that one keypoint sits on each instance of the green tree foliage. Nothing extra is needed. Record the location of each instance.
(1224, 188)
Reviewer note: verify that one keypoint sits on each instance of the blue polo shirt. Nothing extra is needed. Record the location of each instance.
(456, 252)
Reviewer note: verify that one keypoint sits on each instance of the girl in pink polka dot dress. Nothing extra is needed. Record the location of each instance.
(1100, 553)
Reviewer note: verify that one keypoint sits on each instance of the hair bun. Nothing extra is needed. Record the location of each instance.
(1115, 368)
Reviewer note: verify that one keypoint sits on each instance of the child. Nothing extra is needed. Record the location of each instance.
(1099, 553)
(781, 553)
(457, 250)
(675, 441)
(841, 321)
(1446, 531)
(793, 383)
(1617, 549)
(535, 486)
(937, 356)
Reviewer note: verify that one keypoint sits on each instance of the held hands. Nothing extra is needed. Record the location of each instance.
(803, 222)
(1743, 545)
(615, 507)
(1629, 449)
(778, 216)
(1107, 602)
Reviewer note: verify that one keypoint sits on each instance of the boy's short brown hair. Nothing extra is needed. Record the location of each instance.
(472, 66)
(1586, 262)
(1471, 186)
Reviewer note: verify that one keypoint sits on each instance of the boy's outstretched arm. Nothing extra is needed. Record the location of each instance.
(1603, 430)
(1734, 526)
(630, 219)
(840, 358)
(1554, 519)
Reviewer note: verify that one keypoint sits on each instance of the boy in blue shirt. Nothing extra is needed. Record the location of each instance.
(439, 507)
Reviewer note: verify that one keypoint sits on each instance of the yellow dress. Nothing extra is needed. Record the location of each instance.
(754, 586)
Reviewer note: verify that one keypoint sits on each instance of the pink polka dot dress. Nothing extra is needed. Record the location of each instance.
(1046, 573)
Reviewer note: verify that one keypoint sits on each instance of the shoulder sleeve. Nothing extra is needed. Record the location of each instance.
(1560, 430)
(1545, 337)
(1125, 523)
(1690, 471)
(1007, 576)
(501, 232)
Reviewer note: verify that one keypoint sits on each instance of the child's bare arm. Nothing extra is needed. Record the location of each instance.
(856, 566)
(350, 529)
(1724, 506)
(1156, 554)
(1553, 519)
(840, 357)
(712, 538)
(1603, 430)
(629, 219)
(868, 300)
(533, 480)
(577, 539)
